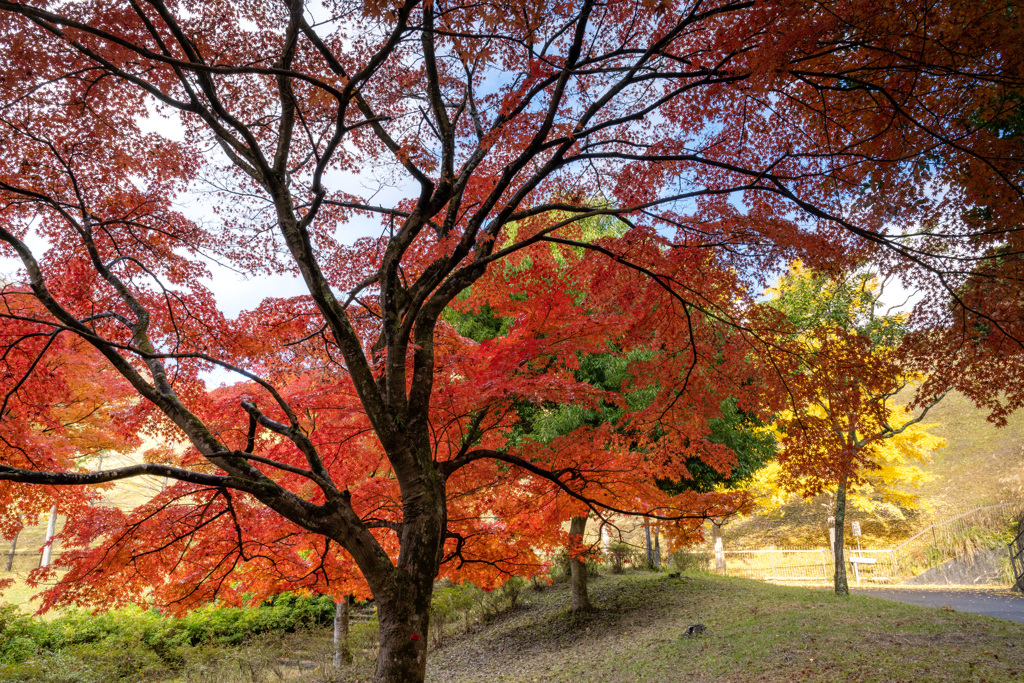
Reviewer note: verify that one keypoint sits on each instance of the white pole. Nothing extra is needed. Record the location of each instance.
(51, 528)
(856, 572)
(716, 534)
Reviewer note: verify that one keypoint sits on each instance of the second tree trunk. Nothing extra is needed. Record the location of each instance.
(578, 567)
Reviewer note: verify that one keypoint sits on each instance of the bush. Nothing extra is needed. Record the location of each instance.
(690, 561)
(512, 590)
(132, 644)
(19, 635)
(621, 554)
(466, 604)
(453, 603)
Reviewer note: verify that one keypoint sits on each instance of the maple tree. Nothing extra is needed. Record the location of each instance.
(64, 422)
(616, 373)
(842, 432)
(365, 449)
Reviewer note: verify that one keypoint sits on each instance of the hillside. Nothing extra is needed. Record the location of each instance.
(755, 632)
(981, 463)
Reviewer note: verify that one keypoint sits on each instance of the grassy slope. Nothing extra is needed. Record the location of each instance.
(756, 632)
(980, 463)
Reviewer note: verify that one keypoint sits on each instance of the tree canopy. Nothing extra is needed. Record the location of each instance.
(842, 432)
(363, 448)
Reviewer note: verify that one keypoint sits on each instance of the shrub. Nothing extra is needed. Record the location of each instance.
(452, 603)
(512, 590)
(465, 603)
(19, 635)
(132, 643)
(621, 554)
(690, 561)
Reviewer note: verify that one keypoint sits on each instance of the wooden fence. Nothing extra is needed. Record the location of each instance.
(936, 543)
(952, 537)
(813, 565)
(24, 561)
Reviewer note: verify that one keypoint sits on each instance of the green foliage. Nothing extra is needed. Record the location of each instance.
(689, 561)
(606, 371)
(144, 638)
(461, 605)
(746, 436)
(812, 301)
(481, 325)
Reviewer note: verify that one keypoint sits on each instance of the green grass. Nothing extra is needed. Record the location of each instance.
(756, 632)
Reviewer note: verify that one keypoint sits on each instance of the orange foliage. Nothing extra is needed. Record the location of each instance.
(365, 447)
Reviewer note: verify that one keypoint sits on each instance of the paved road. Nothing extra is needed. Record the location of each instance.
(992, 603)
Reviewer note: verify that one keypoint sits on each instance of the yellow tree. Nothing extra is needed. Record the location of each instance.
(843, 433)
(883, 493)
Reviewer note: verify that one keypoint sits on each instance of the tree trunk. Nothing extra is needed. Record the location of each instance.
(716, 536)
(649, 547)
(403, 592)
(51, 529)
(342, 654)
(837, 550)
(578, 568)
(657, 550)
(404, 618)
(10, 555)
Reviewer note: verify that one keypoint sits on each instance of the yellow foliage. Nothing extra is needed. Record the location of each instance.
(885, 492)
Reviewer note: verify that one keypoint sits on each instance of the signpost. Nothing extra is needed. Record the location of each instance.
(856, 561)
